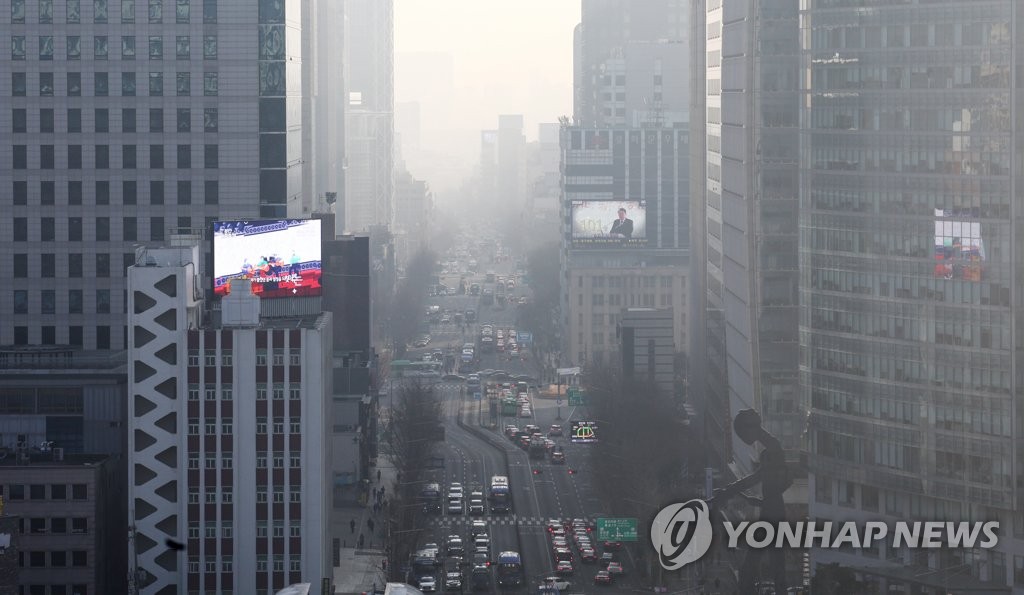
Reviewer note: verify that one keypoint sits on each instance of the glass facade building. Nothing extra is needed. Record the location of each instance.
(910, 276)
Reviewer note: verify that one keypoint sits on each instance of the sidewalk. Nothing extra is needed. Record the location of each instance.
(358, 569)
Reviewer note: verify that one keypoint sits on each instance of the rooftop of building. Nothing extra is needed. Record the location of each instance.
(34, 457)
(49, 358)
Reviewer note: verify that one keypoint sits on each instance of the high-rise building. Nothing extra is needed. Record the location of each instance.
(750, 204)
(328, 91)
(606, 27)
(647, 346)
(644, 83)
(369, 114)
(511, 166)
(910, 279)
(229, 439)
(129, 121)
(640, 176)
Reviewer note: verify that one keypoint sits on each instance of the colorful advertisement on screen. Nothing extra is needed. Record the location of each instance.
(281, 257)
(609, 222)
(959, 249)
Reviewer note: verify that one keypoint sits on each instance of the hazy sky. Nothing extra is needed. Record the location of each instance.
(507, 57)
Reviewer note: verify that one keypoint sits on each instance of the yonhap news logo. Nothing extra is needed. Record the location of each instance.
(681, 533)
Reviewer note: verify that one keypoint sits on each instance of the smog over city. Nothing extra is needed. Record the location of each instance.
(545, 296)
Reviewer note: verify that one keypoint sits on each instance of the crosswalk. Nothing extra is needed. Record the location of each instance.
(496, 520)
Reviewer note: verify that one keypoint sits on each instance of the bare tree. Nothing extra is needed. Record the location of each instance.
(415, 420)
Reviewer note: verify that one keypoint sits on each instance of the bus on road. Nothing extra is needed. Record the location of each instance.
(500, 496)
(510, 569)
(409, 369)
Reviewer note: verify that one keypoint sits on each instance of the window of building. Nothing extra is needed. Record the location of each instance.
(58, 559)
(226, 393)
(211, 119)
(261, 425)
(193, 427)
(103, 301)
(75, 264)
(20, 266)
(103, 193)
(45, 47)
(211, 495)
(103, 337)
(46, 157)
(295, 425)
(278, 495)
(79, 558)
(80, 525)
(183, 84)
(261, 563)
(209, 12)
(20, 156)
(127, 47)
(261, 388)
(185, 198)
(211, 156)
(278, 456)
(193, 495)
(184, 156)
(129, 192)
(823, 489)
(156, 47)
(37, 559)
(47, 305)
(102, 157)
(47, 265)
(19, 84)
(128, 84)
(129, 156)
(226, 497)
(182, 47)
(261, 460)
(156, 228)
(211, 84)
(210, 47)
(226, 428)
(37, 525)
(261, 497)
(74, 156)
(45, 120)
(102, 264)
(156, 84)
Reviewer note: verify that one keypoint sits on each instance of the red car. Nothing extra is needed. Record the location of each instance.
(603, 578)
(616, 568)
(612, 546)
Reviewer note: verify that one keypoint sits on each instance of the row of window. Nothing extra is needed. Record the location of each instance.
(101, 195)
(225, 495)
(100, 11)
(101, 157)
(210, 564)
(101, 84)
(54, 559)
(58, 525)
(646, 281)
(46, 47)
(645, 300)
(47, 302)
(47, 267)
(101, 120)
(71, 230)
(38, 491)
(225, 393)
(48, 336)
(76, 589)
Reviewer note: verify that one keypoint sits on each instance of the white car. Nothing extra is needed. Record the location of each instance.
(557, 582)
(428, 584)
(455, 506)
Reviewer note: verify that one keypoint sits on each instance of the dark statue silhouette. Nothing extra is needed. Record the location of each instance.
(774, 476)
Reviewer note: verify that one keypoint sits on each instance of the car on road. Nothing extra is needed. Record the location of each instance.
(603, 577)
(427, 584)
(481, 560)
(557, 457)
(455, 506)
(511, 430)
(612, 546)
(588, 554)
(564, 568)
(606, 559)
(477, 528)
(559, 542)
(422, 341)
(563, 554)
(446, 319)
(615, 568)
(555, 582)
(555, 430)
(453, 378)
(476, 506)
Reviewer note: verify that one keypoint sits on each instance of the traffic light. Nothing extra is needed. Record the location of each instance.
(572, 472)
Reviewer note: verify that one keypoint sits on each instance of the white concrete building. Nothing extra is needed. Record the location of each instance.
(228, 425)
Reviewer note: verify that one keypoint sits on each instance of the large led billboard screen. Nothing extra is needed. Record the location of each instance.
(609, 222)
(281, 257)
(959, 250)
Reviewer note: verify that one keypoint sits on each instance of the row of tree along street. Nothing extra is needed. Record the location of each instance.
(412, 428)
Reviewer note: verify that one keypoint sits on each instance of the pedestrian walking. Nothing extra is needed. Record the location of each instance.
(370, 524)
(352, 525)
(378, 475)
(361, 541)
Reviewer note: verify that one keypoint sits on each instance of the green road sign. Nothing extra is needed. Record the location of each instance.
(575, 396)
(616, 529)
